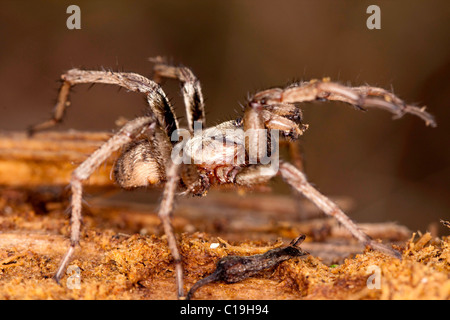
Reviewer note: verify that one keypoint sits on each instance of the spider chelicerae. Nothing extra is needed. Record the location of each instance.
(237, 152)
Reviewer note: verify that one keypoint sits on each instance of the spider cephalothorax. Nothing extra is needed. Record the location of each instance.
(242, 152)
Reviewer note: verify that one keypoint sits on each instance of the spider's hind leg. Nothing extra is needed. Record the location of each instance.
(58, 112)
(128, 132)
(325, 90)
(191, 89)
(157, 101)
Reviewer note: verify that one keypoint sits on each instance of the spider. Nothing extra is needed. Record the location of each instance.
(148, 144)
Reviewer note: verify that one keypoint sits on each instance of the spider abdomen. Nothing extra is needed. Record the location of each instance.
(137, 166)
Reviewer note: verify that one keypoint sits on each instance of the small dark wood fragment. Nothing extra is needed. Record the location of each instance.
(233, 269)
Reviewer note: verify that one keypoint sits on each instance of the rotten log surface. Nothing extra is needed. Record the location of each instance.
(48, 158)
(122, 232)
(124, 255)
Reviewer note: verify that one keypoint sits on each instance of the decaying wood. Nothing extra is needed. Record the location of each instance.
(123, 245)
(114, 265)
(49, 158)
(235, 219)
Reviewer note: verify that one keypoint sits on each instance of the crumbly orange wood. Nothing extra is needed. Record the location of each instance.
(49, 158)
(124, 256)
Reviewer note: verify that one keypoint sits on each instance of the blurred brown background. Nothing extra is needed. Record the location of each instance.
(395, 170)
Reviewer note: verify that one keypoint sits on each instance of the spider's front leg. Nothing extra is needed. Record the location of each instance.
(324, 90)
(298, 181)
(274, 109)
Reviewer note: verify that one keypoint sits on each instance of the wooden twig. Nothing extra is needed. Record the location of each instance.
(231, 269)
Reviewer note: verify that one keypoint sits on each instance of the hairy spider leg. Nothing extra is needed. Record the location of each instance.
(161, 112)
(361, 97)
(272, 109)
(165, 212)
(295, 153)
(298, 181)
(158, 103)
(388, 97)
(191, 89)
(269, 109)
(124, 136)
